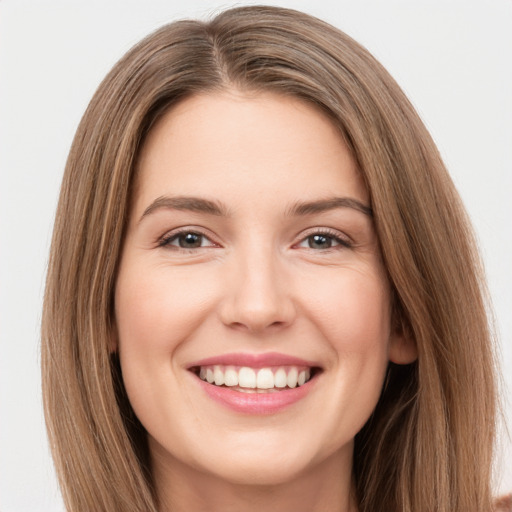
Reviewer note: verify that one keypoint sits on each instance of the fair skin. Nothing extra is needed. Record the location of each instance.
(274, 258)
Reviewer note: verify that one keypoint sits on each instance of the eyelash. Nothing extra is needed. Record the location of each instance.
(333, 236)
(175, 236)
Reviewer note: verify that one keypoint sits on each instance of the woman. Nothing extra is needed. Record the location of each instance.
(263, 291)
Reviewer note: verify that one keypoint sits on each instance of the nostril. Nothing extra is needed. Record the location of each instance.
(256, 323)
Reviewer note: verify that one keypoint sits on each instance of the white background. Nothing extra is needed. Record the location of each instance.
(453, 58)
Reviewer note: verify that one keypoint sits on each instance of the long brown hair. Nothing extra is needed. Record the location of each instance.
(428, 445)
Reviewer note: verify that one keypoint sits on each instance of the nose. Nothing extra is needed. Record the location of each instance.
(258, 294)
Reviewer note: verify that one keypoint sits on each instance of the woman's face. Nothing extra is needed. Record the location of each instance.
(251, 259)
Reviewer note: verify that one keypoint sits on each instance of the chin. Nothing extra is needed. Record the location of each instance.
(267, 473)
(265, 465)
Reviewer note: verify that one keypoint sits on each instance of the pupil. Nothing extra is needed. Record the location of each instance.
(190, 240)
(319, 242)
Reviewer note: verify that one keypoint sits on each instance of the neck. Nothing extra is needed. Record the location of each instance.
(326, 487)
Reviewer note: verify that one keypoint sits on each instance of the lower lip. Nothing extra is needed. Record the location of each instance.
(256, 403)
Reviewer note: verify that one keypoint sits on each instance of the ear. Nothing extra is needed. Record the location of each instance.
(402, 345)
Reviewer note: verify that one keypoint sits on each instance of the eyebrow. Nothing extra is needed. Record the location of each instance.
(191, 204)
(322, 205)
(200, 205)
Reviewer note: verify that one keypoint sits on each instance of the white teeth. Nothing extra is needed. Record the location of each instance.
(247, 377)
(265, 379)
(230, 376)
(291, 379)
(218, 375)
(261, 380)
(280, 378)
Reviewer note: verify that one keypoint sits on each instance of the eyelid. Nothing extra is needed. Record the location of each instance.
(343, 240)
(164, 240)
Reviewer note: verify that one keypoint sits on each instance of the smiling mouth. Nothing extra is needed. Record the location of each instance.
(255, 380)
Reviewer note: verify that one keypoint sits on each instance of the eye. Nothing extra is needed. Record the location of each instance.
(186, 240)
(323, 241)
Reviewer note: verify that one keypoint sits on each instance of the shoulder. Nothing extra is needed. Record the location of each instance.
(503, 504)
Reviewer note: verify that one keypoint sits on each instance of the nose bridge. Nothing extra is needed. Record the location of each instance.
(258, 295)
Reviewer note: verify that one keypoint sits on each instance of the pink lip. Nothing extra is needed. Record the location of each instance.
(255, 403)
(264, 360)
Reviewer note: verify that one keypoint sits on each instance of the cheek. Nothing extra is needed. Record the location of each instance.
(353, 312)
(361, 336)
(158, 309)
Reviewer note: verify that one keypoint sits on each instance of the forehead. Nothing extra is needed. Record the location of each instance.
(229, 143)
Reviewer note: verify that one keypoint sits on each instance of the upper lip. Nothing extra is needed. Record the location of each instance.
(263, 360)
